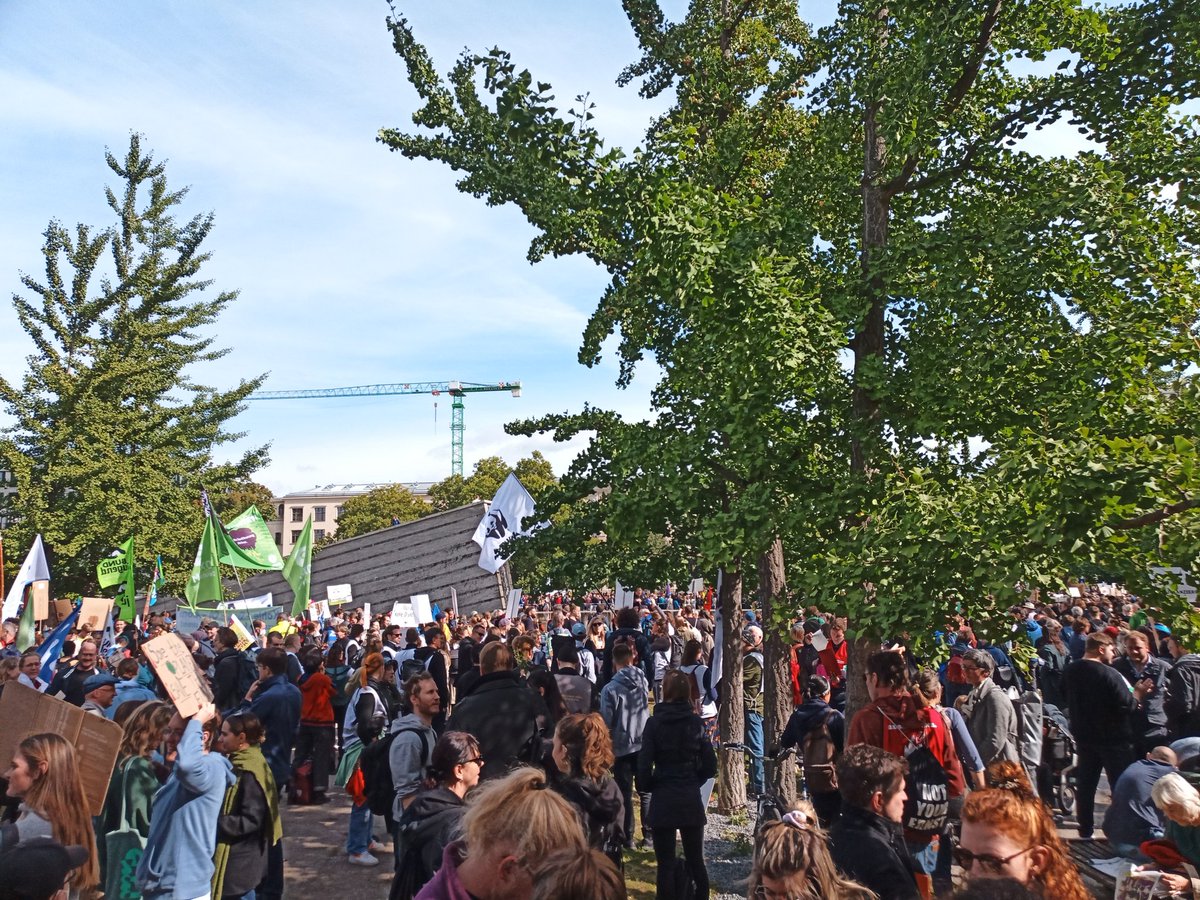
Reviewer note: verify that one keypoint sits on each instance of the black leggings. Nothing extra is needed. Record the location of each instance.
(664, 857)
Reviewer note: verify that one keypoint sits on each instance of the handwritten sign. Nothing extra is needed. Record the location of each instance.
(62, 609)
(39, 596)
(173, 665)
(404, 616)
(421, 608)
(337, 594)
(366, 613)
(24, 711)
(93, 612)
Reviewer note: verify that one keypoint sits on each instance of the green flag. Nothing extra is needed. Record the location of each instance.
(249, 544)
(27, 630)
(116, 568)
(205, 581)
(297, 571)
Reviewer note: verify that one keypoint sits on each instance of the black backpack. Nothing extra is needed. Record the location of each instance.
(412, 666)
(928, 804)
(376, 767)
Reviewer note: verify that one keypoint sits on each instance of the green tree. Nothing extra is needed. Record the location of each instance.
(112, 433)
(236, 499)
(379, 508)
(908, 363)
(534, 471)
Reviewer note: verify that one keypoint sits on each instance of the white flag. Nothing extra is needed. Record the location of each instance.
(108, 641)
(510, 506)
(33, 569)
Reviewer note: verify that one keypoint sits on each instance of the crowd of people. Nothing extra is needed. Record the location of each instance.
(487, 757)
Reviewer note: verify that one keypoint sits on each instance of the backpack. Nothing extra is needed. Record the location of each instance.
(676, 650)
(928, 788)
(376, 767)
(412, 666)
(819, 754)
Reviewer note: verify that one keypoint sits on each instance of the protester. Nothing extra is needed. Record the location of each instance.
(99, 690)
(628, 631)
(1007, 833)
(316, 733)
(833, 659)
(1180, 804)
(1182, 703)
(434, 817)
(38, 870)
(44, 777)
(249, 823)
(433, 657)
(502, 712)
(367, 718)
(134, 782)
(511, 824)
(29, 669)
(1132, 818)
(127, 688)
(625, 708)
(583, 756)
(820, 731)
(70, 681)
(991, 719)
(1100, 705)
(579, 695)
(1054, 656)
(675, 760)
(412, 739)
(178, 859)
(1149, 720)
(792, 859)
(227, 685)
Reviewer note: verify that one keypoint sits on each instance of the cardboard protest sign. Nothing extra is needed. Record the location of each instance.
(177, 671)
(39, 596)
(94, 612)
(421, 608)
(404, 616)
(697, 586)
(337, 594)
(24, 711)
(62, 609)
(244, 635)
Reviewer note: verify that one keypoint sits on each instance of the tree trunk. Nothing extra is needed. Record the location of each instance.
(777, 676)
(731, 791)
(856, 675)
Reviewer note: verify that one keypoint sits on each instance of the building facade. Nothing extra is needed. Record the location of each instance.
(324, 504)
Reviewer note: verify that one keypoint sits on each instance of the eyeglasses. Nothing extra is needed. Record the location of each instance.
(991, 864)
(478, 760)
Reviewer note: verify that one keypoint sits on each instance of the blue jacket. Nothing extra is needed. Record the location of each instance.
(129, 690)
(277, 705)
(178, 861)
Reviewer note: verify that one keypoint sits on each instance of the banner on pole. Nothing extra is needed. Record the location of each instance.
(454, 602)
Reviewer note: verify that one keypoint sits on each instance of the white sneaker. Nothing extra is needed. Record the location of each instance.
(362, 859)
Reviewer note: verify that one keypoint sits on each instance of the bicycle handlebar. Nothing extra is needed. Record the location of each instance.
(776, 756)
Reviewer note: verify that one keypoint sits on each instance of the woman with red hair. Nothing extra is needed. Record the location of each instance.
(1006, 833)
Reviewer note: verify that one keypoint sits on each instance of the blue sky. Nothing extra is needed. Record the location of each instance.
(355, 265)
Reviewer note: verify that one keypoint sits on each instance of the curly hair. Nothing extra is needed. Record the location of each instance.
(795, 850)
(144, 729)
(589, 747)
(1010, 806)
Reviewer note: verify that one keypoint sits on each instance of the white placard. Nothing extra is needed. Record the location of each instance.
(421, 608)
(454, 602)
(338, 594)
(403, 615)
(1074, 592)
(367, 614)
(319, 610)
(697, 586)
(819, 641)
(1186, 589)
(622, 598)
(514, 603)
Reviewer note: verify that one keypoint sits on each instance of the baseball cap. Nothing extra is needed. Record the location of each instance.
(99, 680)
(36, 869)
(579, 629)
(750, 617)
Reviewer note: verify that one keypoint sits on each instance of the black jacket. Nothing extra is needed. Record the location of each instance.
(432, 820)
(870, 849)
(1183, 697)
(600, 807)
(506, 717)
(247, 830)
(1150, 718)
(676, 758)
(226, 668)
(1099, 704)
(810, 715)
(640, 641)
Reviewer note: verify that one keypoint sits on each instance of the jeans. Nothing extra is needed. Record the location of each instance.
(754, 742)
(623, 772)
(359, 838)
(664, 858)
(1092, 759)
(924, 853)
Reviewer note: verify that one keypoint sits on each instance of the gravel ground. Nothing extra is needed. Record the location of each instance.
(728, 852)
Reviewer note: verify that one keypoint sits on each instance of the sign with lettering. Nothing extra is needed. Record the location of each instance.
(404, 616)
(177, 671)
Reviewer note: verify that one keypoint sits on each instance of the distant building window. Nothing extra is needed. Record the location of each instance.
(279, 515)
(337, 512)
(318, 514)
(295, 536)
(319, 534)
(297, 513)
(279, 538)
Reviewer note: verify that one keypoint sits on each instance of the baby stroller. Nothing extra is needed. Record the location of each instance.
(1056, 778)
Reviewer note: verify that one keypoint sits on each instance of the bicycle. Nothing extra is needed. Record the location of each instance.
(768, 807)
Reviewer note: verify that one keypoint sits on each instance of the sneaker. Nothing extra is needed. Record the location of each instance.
(362, 859)
(376, 847)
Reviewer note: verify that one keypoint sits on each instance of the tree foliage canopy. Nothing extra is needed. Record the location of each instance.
(379, 508)
(113, 435)
(940, 361)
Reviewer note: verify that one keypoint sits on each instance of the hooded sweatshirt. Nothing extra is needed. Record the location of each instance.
(810, 715)
(869, 723)
(600, 807)
(428, 826)
(625, 709)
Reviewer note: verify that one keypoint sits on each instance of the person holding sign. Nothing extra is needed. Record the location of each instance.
(178, 860)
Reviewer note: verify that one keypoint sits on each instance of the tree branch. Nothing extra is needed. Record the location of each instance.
(1152, 518)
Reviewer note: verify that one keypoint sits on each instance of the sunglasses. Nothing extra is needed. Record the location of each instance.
(478, 760)
(991, 864)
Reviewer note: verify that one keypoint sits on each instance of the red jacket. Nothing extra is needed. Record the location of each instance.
(868, 728)
(316, 700)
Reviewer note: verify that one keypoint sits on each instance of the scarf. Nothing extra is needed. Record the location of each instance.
(249, 761)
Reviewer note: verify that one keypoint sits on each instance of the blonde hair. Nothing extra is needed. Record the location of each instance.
(795, 850)
(1009, 806)
(144, 729)
(1173, 790)
(565, 875)
(57, 796)
(517, 812)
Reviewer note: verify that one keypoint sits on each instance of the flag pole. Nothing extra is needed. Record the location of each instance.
(2, 594)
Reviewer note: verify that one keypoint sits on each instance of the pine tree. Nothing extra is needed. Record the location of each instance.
(113, 435)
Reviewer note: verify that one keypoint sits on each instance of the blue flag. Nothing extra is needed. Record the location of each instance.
(436, 611)
(51, 648)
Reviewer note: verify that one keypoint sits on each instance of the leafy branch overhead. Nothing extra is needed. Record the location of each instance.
(900, 322)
